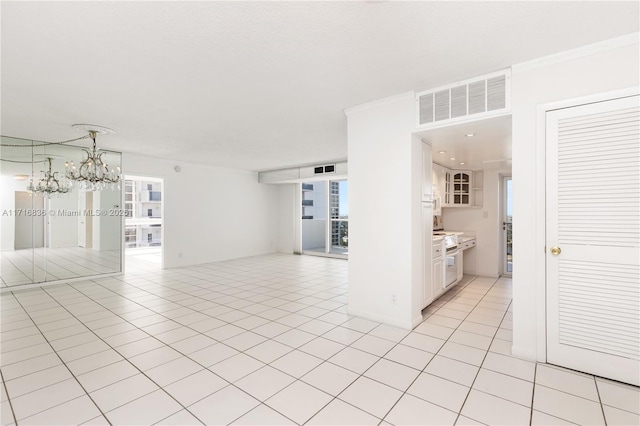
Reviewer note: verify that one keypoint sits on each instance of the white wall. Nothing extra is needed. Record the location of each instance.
(211, 213)
(288, 217)
(384, 211)
(484, 259)
(533, 85)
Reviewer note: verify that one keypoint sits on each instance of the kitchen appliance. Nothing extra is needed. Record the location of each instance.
(453, 260)
(437, 204)
(437, 223)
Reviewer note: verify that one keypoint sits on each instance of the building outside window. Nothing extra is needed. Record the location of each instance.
(130, 237)
(129, 197)
(143, 206)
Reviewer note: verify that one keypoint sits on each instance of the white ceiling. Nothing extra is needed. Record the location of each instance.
(488, 148)
(259, 85)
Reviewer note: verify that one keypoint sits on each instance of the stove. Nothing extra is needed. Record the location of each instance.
(450, 239)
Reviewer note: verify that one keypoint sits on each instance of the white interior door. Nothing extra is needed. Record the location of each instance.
(593, 238)
(29, 228)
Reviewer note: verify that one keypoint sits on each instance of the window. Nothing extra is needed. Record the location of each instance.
(149, 187)
(130, 239)
(149, 238)
(129, 197)
(149, 212)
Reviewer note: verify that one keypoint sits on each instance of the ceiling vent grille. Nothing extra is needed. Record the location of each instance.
(320, 170)
(467, 100)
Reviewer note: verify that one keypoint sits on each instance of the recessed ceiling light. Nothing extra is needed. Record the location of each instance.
(442, 152)
(461, 163)
(21, 177)
(470, 134)
(453, 158)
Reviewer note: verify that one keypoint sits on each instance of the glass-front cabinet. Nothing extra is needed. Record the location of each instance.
(458, 188)
(461, 188)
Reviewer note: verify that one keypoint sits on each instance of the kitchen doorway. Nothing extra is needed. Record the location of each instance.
(143, 230)
(506, 219)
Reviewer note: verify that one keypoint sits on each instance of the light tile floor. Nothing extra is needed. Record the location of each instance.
(267, 340)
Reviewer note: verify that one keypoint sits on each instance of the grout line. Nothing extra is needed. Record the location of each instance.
(54, 259)
(132, 364)
(486, 352)
(279, 282)
(68, 369)
(423, 369)
(533, 392)
(174, 342)
(13, 413)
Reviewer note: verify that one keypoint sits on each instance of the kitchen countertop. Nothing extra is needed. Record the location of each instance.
(463, 237)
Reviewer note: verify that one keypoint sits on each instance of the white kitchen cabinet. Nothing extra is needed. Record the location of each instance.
(437, 171)
(442, 183)
(437, 270)
(458, 188)
(478, 181)
(448, 177)
(427, 173)
(427, 256)
(467, 244)
(462, 188)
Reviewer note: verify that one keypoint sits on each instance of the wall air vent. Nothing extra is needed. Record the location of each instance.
(467, 100)
(304, 173)
(320, 170)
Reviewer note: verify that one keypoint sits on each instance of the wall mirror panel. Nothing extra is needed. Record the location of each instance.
(60, 230)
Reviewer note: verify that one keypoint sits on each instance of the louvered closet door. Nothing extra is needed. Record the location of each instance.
(593, 217)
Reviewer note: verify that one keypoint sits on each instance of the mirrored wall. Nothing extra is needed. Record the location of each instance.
(57, 231)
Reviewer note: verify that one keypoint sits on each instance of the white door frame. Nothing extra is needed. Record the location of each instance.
(540, 195)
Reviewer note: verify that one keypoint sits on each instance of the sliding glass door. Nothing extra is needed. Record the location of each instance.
(325, 218)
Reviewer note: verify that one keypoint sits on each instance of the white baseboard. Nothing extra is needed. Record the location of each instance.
(525, 353)
(407, 325)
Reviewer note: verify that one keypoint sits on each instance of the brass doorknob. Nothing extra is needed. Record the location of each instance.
(555, 251)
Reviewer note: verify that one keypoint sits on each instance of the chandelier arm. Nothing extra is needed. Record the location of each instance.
(48, 184)
(93, 169)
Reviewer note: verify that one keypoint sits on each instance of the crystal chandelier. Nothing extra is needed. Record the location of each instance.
(93, 173)
(49, 183)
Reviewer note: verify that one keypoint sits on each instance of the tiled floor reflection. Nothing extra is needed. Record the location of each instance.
(267, 340)
(27, 266)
